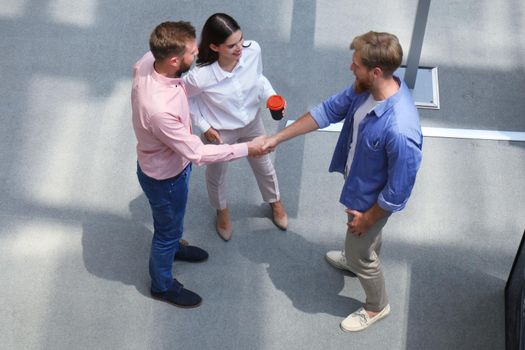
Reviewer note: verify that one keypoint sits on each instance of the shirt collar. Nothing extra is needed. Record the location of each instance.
(384, 106)
(221, 74)
(165, 80)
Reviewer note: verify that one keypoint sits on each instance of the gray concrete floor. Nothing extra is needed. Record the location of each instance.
(75, 228)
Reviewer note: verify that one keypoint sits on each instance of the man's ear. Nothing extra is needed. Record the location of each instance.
(174, 61)
(377, 72)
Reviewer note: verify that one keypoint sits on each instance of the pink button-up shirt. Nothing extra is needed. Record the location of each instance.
(161, 120)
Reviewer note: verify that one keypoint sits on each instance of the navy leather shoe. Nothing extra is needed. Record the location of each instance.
(190, 253)
(179, 296)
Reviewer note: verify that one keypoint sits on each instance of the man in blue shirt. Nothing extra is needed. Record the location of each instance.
(378, 152)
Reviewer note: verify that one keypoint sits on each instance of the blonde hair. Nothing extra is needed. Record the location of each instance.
(377, 49)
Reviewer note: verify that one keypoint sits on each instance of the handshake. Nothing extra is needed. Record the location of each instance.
(262, 145)
(259, 146)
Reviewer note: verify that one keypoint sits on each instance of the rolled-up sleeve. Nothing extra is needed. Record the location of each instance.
(320, 116)
(335, 108)
(404, 158)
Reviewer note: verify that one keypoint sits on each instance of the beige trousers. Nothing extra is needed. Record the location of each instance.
(362, 256)
(262, 167)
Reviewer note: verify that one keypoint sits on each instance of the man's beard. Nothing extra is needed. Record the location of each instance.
(362, 86)
(184, 68)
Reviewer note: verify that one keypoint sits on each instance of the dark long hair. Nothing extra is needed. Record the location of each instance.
(215, 31)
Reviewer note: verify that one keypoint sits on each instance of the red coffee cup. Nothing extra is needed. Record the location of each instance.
(276, 105)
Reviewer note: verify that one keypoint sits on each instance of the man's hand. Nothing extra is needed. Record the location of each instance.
(255, 146)
(362, 222)
(359, 224)
(213, 136)
(270, 144)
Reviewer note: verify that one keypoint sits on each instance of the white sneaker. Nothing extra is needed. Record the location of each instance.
(337, 259)
(360, 320)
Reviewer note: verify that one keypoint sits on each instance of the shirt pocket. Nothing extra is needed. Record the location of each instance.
(374, 160)
(374, 146)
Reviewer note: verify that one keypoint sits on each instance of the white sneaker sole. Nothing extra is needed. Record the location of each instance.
(384, 313)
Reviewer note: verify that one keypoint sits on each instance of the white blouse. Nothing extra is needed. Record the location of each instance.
(228, 100)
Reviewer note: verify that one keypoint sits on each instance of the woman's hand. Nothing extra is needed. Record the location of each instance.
(213, 136)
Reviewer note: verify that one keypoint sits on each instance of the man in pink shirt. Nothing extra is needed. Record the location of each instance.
(166, 148)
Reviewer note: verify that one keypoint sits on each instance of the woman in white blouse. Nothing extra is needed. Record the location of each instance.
(227, 88)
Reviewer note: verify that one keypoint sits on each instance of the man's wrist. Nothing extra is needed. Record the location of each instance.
(278, 137)
(374, 214)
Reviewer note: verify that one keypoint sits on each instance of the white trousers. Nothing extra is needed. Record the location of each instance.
(262, 167)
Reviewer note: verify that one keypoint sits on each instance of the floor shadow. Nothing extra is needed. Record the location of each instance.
(297, 268)
(117, 248)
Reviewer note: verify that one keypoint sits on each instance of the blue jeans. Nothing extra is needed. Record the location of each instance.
(167, 199)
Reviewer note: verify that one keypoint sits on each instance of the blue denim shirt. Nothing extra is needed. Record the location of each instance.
(388, 149)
